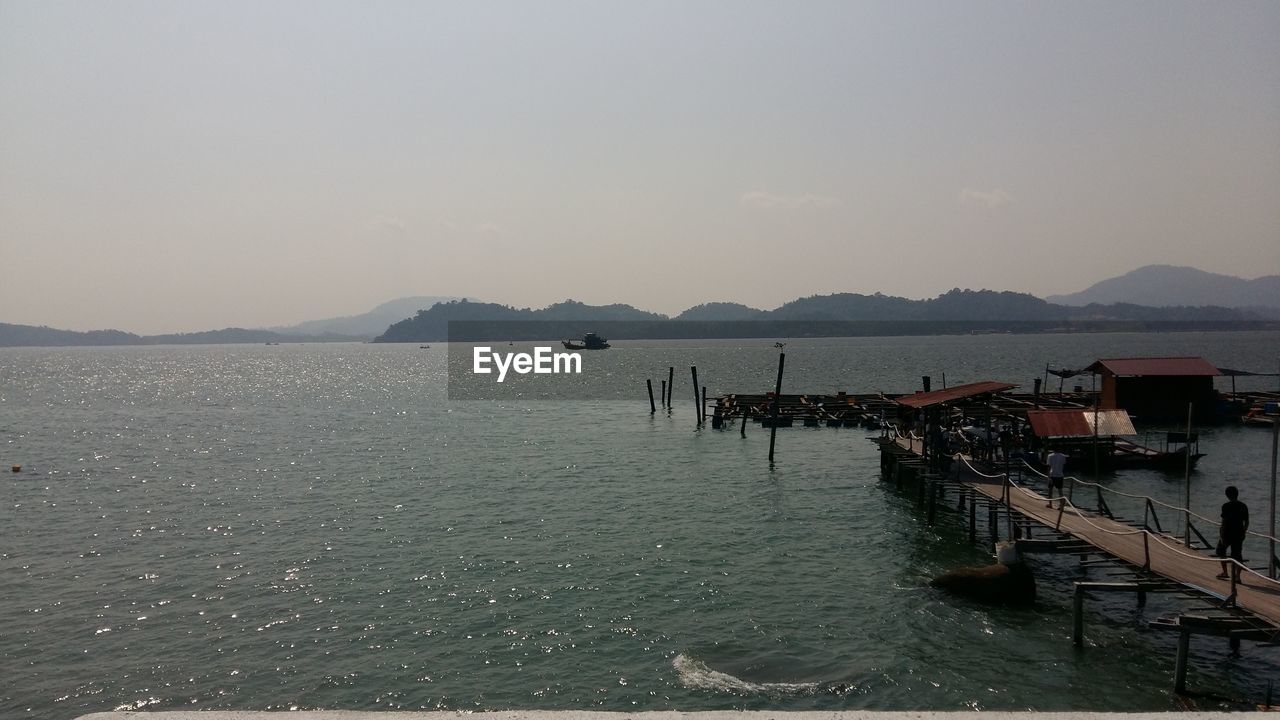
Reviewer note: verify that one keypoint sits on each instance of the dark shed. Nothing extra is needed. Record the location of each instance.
(1158, 388)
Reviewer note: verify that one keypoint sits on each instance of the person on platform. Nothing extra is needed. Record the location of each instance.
(1235, 525)
(1057, 471)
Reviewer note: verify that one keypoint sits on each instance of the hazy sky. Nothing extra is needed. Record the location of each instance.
(174, 166)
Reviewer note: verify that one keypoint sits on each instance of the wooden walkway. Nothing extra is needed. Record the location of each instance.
(1159, 553)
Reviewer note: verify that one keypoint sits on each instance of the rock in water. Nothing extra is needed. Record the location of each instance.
(1001, 584)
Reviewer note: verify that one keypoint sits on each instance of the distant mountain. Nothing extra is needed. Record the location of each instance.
(366, 325)
(574, 310)
(815, 316)
(1169, 286)
(32, 336)
(432, 324)
(721, 311)
(966, 305)
(954, 311)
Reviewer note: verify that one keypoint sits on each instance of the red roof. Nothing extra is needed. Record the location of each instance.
(1079, 423)
(959, 392)
(1168, 366)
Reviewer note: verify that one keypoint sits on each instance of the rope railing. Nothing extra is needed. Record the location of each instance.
(910, 436)
(1148, 498)
(1164, 540)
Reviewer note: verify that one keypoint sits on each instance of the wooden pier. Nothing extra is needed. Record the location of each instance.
(1150, 558)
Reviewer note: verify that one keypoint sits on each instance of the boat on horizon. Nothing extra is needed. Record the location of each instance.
(590, 341)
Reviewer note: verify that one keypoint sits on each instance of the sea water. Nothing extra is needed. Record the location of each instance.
(320, 526)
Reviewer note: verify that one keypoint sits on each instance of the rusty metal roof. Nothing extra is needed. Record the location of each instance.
(1079, 423)
(1167, 366)
(959, 392)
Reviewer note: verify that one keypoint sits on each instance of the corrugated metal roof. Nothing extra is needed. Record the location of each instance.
(1079, 423)
(1168, 366)
(959, 392)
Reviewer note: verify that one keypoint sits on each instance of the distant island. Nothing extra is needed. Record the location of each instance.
(957, 311)
(36, 336)
(1152, 298)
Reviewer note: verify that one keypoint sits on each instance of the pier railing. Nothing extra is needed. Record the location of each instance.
(1086, 515)
(1149, 507)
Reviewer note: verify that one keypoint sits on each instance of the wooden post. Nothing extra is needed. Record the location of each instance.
(697, 411)
(1008, 502)
(703, 406)
(973, 518)
(777, 401)
(1180, 665)
(1077, 617)
(664, 393)
(933, 501)
(1275, 444)
(671, 385)
(652, 408)
(1186, 495)
(744, 430)
(1097, 473)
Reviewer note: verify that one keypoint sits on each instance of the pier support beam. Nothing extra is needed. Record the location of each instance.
(1077, 604)
(973, 518)
(1180, 665)
(933, 499)
(1077, 617)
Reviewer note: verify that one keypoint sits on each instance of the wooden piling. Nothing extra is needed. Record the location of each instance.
(1077, 617)
(664, 393)
(933, 501)
(1180, 665)
(649, 384)
(697, 411)
(703, 406)
(743, 419)
(671, 384)
(777, 401)
(973, 517)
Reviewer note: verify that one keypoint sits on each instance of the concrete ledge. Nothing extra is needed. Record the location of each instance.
(654, 715)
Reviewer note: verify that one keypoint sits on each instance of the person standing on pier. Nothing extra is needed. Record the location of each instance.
(1235, 525)
(1057, 471)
